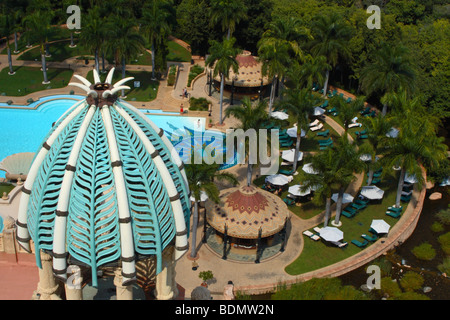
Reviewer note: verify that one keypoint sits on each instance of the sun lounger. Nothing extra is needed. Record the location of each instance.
(332, 110)
(362, 201)
(289, 202)
(395, 215)
(372, 238)
(354, 125)
(325, 147)
(325, 104)
(327, 141)
(315, 237)
(373, 232)
(405, 198)
(286, 172)
(371, 114)
(314, 123)
(308, 233)
(317, 229)
(365, 111)
(360, 133)
(363, 136)
(376, 180)
(347, 214)
(339, 244)
(349, 100)
(406, 193)
(323, 133)
(358, 206)
(318, 127)
(395, 209)
(360, 244)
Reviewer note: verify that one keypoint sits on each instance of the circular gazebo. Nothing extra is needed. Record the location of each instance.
(248, 81)
(105, 194)
(246, 216)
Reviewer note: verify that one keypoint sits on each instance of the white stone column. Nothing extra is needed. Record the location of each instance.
(166, 286)
(47, 286)
(122, 292)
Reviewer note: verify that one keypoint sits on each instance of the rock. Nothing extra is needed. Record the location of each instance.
(200, 293)
(427, 289)
(435, 196)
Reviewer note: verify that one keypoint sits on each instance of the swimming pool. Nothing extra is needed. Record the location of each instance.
(24, 127)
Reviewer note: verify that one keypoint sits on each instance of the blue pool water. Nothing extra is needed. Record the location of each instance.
(22, 130)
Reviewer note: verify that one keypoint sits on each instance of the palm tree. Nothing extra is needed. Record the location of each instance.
(348, 161)
(155, 25)
(286, 33)
(251, 116)
(347, 110)
(6, 29)
(324, 182)
(93, 33)
(299, 104)
(377, 128)
(331, 35)
(416, 144)
(39, 24)
(201, 177)
(274, 63)
(311, 71)
(125, 42)
(390, 70)
(228, 13)
(223, 58)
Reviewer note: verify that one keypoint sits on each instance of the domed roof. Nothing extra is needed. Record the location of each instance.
(105, 187)
(249, 73)
(244, 210)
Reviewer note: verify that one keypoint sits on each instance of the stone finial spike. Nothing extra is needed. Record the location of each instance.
(96, 77)
(81, 86)
(110, 76)
(113, 91)
(121, 82)
(82, 79)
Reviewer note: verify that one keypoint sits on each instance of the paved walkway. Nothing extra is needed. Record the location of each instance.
(249, 277)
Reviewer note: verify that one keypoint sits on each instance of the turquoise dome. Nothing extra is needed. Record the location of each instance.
(106, 187)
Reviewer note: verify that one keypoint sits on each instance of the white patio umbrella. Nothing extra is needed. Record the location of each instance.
(318, 111)
(393, 133)
(203, 196)
(380, 226)
(410, 178)
(278, 179)
(346, 198)
(309, 169)
(288, 155)
(295, 191)
(331, 234)
(292, 132)
(372, 192)
(280, 115)
(365, 157)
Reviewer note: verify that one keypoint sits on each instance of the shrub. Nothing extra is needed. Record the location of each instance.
(425, 251)
(206, 275)
(194, 72)
(437, 227)
(444, 216)
(411, 281)
(444, 240)
(198, 104)
(390, 287)
(444, 267)
(172, 75)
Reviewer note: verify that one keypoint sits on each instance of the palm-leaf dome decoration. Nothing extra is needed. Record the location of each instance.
(105, 187)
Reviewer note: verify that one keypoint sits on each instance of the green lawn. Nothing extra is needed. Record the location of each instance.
(178, 53)
(146, 92)
(29, 79)
(317, 254)
(5, 187)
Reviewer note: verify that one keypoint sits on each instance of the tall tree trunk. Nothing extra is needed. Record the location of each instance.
(384, 110)
(11, 71)
(400, 187)
(327, 212)
(222, 82)
(339, 206)
(72, 44)
(153, 61)
(249, 173)
(325, 87)
(96, 61)
(103, 62)
(194, 230)
(272, 95)
(44, 68)
(16, 44)
(297, 149)
(123, 73)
